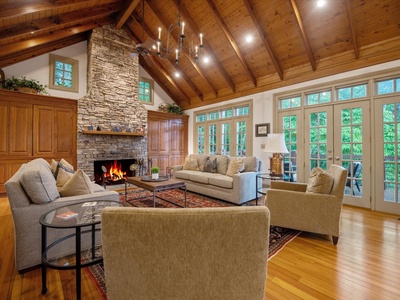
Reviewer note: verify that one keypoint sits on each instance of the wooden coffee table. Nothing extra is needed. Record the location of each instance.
(155, 186)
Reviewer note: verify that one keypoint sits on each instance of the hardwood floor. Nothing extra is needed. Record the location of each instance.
(364, 264)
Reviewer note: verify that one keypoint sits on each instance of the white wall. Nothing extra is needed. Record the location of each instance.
(38, 68)
(263, 104)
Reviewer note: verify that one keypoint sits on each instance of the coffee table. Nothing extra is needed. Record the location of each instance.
(155, 186)
(84, 219)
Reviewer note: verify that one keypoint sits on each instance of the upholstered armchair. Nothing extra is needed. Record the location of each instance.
(292, 207)
(191, 253)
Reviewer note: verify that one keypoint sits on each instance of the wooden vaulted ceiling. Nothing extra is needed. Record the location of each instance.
(293, 40)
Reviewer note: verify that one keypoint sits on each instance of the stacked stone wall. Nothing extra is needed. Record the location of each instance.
(112, 102)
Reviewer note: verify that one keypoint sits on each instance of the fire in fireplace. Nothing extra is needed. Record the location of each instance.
(108, 172)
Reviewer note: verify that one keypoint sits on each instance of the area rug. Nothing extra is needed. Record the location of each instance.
(278, 238)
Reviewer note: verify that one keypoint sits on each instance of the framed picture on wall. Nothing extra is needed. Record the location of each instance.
(262, 129)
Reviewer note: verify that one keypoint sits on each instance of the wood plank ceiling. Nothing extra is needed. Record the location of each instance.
(293, 40)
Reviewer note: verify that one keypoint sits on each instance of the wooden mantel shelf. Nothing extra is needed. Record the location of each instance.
(112, 133)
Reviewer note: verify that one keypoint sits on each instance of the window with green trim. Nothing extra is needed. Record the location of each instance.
(63, 73)
(146, 90)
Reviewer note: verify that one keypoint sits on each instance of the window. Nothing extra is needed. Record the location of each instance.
(146, 90)
(388, 86)
(290, 102)
(320, 97)
(352, 92)
(224, 130)
(63, 74)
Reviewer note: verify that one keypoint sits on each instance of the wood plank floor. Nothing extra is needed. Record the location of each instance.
(364, 265)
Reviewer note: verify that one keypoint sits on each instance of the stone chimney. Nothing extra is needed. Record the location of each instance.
(112, 102)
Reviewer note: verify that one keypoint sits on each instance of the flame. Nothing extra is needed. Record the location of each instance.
(115, 172)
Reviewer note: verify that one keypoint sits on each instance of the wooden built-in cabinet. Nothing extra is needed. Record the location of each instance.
(33, 126)
(167, 139)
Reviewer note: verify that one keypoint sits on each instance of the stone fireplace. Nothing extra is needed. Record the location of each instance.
(112, 102)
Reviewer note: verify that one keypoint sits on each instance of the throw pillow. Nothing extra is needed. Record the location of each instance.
(210, 166)
(235, 165)
(63, 177)
(65, 166)
(191, 165)
(53, 166)
(320, 182)
(39, 183)
(78, 184)
(222, 163)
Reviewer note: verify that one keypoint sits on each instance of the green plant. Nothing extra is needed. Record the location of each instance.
(175, 109)
(17, 83)
(155, 170)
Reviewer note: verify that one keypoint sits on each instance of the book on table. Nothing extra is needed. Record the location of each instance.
(67, 215)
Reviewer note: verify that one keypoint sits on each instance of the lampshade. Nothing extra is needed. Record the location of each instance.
(276, 143)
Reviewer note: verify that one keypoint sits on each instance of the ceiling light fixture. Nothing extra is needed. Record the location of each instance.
(249, 38)
(321, 3)
(191, 50)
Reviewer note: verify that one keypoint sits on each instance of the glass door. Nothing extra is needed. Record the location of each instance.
(387, 149)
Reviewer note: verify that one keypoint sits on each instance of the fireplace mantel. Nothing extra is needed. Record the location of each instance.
(112, 133)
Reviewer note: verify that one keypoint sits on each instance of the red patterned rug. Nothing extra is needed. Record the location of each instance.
(279, 237)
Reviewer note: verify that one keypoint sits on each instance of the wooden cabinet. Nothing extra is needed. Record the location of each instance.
(167, 139)
(33, 126)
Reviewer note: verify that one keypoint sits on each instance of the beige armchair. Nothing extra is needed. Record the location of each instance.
(192, 253)
(291, 207)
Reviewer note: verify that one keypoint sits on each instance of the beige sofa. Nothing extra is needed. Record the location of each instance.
(37, 177)
(208, 253)
(236, 188)
(292, 206)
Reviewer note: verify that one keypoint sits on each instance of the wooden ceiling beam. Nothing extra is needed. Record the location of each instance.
(172, 60)
(232, 41)
(264, 38)
(169, 78)
(353, 32)
(19, 10)
(125, 13)
(196, 31)
(9, 60)
(54, 23)
(54, 36)
(304, 35)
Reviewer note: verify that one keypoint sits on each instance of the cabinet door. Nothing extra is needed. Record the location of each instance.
(175, 136)
(65, 132)
(4, 131)
(43, 121)
(20, 130)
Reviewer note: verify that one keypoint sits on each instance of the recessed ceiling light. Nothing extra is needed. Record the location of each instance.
(177, 74)
(206, 59)
(321, 3)
(249, 38)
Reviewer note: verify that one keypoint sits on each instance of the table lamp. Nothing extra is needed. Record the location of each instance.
(276, 145)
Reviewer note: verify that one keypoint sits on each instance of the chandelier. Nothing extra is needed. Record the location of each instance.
(188, 47)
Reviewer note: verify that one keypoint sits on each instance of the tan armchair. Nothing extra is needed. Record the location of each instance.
(291, 207)
(192, 253)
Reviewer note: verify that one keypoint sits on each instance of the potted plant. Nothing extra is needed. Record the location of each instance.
(25, 85)
(175, 109)
(154, 173)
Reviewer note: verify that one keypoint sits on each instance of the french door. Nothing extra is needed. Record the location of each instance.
(340, 134)
(387, 149)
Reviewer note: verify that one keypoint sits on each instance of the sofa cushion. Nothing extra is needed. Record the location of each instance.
(201, 159)
(200, 177)
(63, 177)
(320, 182)
(184, 174)
(78, 184)
(251, 164)
(235, 166)
(221, 181)
(210, 166)
(39, 183)
(222, 163)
